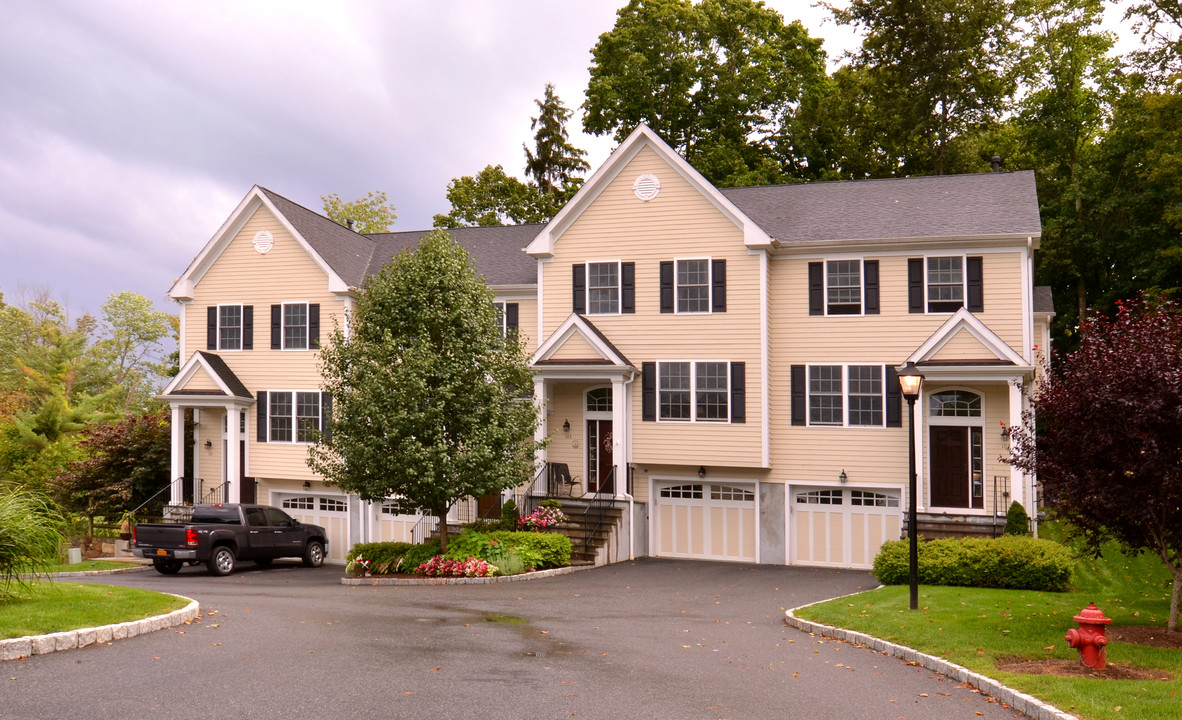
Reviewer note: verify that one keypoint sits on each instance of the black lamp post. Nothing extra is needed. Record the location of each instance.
(910, 382)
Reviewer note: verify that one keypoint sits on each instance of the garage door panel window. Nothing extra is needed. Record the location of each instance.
(299, 503)
(819, 497)
(734, 494)
(865, 498)
(332, 505)
(685, 492)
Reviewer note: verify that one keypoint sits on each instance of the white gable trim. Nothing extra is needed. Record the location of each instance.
(571, 326)
(183, 288)
(964, 320)
(188, 370)
(543, 245)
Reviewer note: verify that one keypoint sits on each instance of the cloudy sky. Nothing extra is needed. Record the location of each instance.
(129, 130)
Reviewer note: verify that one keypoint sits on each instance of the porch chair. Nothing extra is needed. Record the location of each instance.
(561, 480)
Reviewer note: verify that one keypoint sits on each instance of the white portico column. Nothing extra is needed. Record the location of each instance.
(1017, 478)
(177, 456)
(233, 456)
(620, 432)
(541, 431)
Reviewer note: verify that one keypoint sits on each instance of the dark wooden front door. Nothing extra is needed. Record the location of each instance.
(950, 466)
(247, 490)
(489, 506)
(599, 457)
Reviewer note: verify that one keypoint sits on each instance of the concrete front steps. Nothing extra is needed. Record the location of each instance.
(942, 525)
(576, 528)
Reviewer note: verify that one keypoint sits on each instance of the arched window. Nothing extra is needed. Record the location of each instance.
(955, 403)
(599, 400)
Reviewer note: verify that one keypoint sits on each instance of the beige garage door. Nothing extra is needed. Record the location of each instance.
(331, 512)
(706, 521)
(840, 527)
(393, 522)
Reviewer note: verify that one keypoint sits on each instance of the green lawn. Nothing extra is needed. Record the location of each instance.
(977, 627)
(87, 565)
(45, 607)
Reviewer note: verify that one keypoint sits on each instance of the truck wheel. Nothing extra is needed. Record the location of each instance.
(222, 561)
(167, 567)
(314, 554)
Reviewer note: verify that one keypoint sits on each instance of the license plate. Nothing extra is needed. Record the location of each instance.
(162, 552)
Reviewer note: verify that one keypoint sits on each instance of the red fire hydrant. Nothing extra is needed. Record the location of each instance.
(1089, 638)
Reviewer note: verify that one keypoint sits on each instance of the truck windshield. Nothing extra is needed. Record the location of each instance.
(215, 514)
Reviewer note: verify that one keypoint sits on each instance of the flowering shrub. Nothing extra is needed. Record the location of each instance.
(540, 519)
(440, 566)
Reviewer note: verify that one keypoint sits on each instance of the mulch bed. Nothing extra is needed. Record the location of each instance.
(1153, 635)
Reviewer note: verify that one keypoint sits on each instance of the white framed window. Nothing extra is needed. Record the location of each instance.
(866, 498)
(603, 288)
(501, 318)
(945, 283)
(819, 497)
(295, 326)
(293, 416)
(685, 492)
(693, 391)
(332, 505)
(692, 278)
(955, 403)
(395, 507)
(846, 395)
(229, 327)
(732, 493)
(843, 287)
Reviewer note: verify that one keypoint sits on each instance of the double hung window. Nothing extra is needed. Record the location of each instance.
(293, 416)
(849, 395)
(603, 288)
(843, 287)
(295, 326)
(694, 391)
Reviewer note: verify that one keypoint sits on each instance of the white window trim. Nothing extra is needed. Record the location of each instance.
(241, 334)
(964, 283)
(619, 287)
(307, 326)
(500, 306)
(693, 391)
(968, 420)
(294, 416)
(845, 395)
(709, 286)
(861, 285)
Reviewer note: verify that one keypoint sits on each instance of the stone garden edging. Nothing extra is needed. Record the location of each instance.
(29, 645)
(1019, 701)
(536, 575)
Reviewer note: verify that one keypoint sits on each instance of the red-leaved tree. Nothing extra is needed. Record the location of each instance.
(1105, 434)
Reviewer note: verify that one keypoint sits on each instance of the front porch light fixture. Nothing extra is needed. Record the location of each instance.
(307, 485)
(209, 445)
(701, 471)
(566, 426)
(911, 383)
(842, 477)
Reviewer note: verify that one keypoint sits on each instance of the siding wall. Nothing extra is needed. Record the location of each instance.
(678, 223)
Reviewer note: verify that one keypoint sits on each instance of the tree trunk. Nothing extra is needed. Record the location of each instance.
(1175, 599)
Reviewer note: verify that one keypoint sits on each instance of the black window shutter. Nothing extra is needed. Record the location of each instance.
(260, 407)
(579, 288)
(667, 305)
(870, 292)
(648, 391)
(512, 319)
(628, 287)
(276, 327)
(313, 325)
(798, 395)
(738, 392)
(915, 285)
(894, 398)
(248, 327)
(974, 272)
(718, 291)
(325, 414)
(816, 288)
(211, 328)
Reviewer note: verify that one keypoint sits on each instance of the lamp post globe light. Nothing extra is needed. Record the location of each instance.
(911, 382)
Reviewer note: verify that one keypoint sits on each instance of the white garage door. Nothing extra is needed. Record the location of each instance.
(706, 521)
(393, 522)
(840, 527)
(331, 512)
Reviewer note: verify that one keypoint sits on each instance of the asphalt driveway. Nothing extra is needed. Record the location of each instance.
(650, 639)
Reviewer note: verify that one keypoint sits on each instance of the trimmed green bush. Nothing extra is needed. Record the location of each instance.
(419, 554)
(538, 550)
(1010, 562)
(1017, 521)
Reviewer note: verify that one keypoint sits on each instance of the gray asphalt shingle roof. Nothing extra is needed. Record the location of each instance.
(498, 253)
(1043, 302)
(346, 252)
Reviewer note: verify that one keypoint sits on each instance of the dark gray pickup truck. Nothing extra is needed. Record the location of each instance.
(220, 535)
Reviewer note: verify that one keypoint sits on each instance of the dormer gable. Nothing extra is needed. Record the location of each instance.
(962, 337)
(578, 342)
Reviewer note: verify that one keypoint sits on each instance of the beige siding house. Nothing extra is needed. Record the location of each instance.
(719, 365)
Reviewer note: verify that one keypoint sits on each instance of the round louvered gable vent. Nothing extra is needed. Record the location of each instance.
(646, 187)
(263, 241)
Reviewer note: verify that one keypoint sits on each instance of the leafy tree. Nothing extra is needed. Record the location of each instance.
(427, 393)
(126, 463)
(717, 80)
(936, 70)
(1106, 446)
(493, 197)
(371, 214)
(554, 162)
(132, 345)
(1159, 25)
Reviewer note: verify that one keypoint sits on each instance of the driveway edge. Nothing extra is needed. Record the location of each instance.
(29, 645)
(536, 575)
(1019, 701)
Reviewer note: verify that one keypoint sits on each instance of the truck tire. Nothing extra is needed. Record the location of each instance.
(167, 567)
(314, 554)
(221, 562)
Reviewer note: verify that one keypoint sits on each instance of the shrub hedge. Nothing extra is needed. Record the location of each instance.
(511, 551)
(548, 550)
(1010, 562)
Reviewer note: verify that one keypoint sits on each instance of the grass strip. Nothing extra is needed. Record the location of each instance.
(976, 627)
(86, 565)
(45, 607)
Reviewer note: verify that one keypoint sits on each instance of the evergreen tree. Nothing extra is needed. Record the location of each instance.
(554, 162)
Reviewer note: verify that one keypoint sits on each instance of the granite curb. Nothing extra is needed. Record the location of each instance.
(29, 645)
(537, 575)
(1019, 701)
